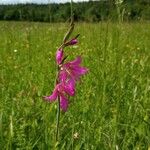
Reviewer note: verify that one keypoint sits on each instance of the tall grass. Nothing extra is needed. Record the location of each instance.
(111, 109)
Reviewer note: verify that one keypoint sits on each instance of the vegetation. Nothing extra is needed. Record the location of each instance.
(111, 109)
(92, 11)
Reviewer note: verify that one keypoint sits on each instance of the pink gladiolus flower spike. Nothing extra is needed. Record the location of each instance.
(59, 56)
(62, 89)
(72, 70)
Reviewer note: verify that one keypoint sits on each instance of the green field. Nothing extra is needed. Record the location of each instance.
(111, 109)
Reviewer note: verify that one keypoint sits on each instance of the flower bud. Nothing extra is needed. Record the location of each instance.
(59, 56)
(73, 42)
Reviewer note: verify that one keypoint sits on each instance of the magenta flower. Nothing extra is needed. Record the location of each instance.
(71, 42)
(59, 56)
(62, 89)
(60, 52)
(63, 103)
(72, 70)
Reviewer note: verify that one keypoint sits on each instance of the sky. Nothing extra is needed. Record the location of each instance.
(36, 1)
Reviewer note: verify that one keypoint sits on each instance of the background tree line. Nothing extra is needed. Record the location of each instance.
(92, 11)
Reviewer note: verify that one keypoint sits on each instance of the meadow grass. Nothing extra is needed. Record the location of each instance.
(111, 109)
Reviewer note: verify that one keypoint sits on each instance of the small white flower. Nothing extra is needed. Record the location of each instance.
(76, 135)
(15, 50)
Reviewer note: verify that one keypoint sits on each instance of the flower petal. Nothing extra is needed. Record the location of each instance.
(52, 97)
(63, 103)
(80, 70)
(59, 56)
(77, 61)
(63, 75)
(69, 87)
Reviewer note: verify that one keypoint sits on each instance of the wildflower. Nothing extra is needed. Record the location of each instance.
(71, 42)
(15, 50)
(63, 103)
(76, 135)
(72, 70)
(62, 90)
(59, 56)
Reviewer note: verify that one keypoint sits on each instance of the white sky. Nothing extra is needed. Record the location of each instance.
(36, 1)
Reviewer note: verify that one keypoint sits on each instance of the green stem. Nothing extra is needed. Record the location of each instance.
(70, 30)
(71, 10)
